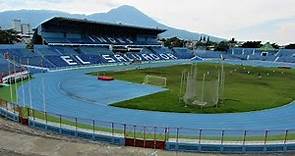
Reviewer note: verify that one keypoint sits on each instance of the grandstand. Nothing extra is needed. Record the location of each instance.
(63, 42)
(9, 71)
(280, 55)
(4, 65)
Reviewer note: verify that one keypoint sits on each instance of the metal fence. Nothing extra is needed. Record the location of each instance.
(149, 133)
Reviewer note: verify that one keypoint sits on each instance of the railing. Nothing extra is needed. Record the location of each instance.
(154, 133)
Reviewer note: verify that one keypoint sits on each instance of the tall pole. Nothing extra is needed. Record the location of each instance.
(188, 88)
(23, 89)
(43, 93)
(218, 89)
(203, 90)
(203, 86)
(181, 86)
(10, 82)
(222, 81)
(15, 84)
(30, 86)
(195, 81)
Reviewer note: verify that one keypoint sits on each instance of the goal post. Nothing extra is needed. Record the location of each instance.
(206, 90)
(155, 80)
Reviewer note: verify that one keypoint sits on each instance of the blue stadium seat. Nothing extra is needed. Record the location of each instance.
(208, 54)
(5, 66)
(183, 53)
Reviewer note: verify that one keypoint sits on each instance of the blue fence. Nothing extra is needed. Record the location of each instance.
(186, 147)
(76, 133)
(174, 139)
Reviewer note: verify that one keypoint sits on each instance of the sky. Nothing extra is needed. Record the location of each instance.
(266, 20)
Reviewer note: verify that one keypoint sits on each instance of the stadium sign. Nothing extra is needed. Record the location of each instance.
(112, 40)
(118, 58)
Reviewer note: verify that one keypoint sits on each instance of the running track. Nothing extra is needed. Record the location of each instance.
(73, 93)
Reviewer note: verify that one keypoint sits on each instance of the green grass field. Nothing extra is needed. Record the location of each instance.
(5, 92)
(243, 92)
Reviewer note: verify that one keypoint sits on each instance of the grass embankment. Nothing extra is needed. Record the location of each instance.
(5, 92)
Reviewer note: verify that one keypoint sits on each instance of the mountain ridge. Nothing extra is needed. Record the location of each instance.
(124, 14)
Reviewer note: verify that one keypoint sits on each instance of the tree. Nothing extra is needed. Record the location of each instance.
(290, 46)
(173, 42)
(208, 39)
(232, 42)
(204, 38)
(275, 45)
(200, 38)
(222, 46)
(252, 44)
(8, 36)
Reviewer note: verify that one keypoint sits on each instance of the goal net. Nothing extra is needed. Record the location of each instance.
(155, 80)
(204, 88)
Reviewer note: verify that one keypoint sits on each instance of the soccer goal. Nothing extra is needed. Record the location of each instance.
(203, 88)
(155, 80)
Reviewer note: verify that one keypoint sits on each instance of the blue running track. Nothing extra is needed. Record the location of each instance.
(73, 93)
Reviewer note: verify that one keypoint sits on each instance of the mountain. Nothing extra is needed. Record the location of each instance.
(33, 17)
(124, 14)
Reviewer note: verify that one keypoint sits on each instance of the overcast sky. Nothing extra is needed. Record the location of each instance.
(267, 20)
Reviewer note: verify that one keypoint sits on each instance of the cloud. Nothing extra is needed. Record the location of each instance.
(285, 33)
(72, 6)
(278, 30)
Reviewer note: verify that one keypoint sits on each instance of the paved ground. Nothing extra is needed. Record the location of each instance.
(18, 140)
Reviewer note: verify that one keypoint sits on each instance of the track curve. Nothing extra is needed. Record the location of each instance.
(60, 100)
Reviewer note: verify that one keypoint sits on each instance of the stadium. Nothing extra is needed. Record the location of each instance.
(117, 84)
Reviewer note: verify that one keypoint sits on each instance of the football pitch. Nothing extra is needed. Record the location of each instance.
(246, 89)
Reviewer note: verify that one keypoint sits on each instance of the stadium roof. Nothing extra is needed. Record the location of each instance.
(60, 21)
